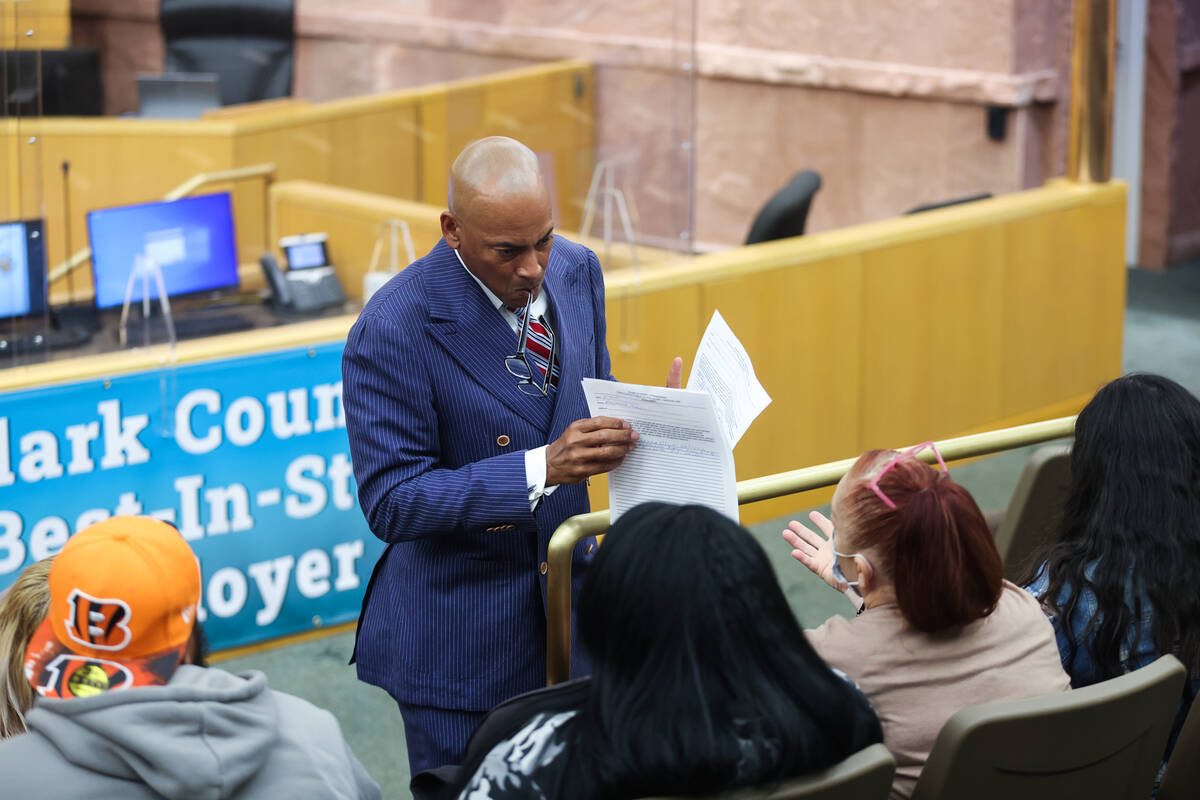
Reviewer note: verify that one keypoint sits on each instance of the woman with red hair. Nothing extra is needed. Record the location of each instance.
(938, 628)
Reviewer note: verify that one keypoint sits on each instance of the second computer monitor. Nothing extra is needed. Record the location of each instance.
(22, 269)
(191, 240)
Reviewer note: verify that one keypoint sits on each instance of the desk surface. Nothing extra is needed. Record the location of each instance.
(103, 355)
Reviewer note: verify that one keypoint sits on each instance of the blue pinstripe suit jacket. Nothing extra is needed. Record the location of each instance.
(454, 615)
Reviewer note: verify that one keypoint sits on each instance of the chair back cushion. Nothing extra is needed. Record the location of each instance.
(865, 775)
(1102, 741)
(1181, 780)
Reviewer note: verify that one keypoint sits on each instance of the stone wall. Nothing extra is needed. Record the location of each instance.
(887, 99)
(1170, 215)
(1184, 227)
(127, 34)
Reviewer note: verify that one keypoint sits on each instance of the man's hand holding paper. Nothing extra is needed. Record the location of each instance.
(685, 437)
(588, 447)
(681, 454)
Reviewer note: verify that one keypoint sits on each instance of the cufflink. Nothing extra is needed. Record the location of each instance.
(503, 440)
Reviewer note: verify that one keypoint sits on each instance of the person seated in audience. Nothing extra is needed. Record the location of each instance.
(701, 678)
(22, 609)
(121, 712)
(938, 628)
(1121, 580)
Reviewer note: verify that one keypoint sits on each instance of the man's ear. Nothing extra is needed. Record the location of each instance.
(450, 229)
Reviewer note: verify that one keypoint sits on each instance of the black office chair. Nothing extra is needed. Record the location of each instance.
(786, 212)
(248, 43)
(958, 201)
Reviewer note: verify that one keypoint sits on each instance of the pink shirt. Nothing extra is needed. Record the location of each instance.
(916, 681)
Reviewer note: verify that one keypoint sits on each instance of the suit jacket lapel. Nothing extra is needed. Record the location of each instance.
(466, 325)
(563, 294)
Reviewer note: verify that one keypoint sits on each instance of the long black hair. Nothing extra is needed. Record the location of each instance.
(1131, 524)
(702, 678)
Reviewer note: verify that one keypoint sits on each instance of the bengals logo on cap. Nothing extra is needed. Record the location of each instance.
(69, 675)
(100, 623)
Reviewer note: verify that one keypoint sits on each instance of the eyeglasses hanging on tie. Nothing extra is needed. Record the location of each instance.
(518, 364)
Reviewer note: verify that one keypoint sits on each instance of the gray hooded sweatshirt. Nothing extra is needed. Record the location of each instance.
(206, 735)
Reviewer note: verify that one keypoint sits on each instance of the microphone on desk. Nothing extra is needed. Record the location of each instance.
(72, 315)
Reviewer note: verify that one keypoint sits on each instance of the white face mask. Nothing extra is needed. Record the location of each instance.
(837, 568)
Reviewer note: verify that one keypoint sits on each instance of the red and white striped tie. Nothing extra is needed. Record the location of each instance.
(538, 347)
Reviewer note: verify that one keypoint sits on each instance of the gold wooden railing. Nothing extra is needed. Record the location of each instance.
(577, 528)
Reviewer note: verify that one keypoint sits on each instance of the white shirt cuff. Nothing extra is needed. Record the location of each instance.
(535, 476)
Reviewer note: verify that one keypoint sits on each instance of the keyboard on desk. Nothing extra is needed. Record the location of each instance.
(187, 326)
(38, 341)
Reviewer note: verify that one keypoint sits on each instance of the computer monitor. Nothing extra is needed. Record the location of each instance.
(191, 240)
(22, 268)
(178, 95)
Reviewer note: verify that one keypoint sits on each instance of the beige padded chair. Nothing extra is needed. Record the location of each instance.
(866, 775)
(1181, 780)
(1102, 742)
(1035, 510)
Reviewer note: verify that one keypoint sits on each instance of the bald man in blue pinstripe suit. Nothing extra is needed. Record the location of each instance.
(465, 465)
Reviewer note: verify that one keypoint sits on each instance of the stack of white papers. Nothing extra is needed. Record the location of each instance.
(681, 455)
(684, 453)
(723, 369)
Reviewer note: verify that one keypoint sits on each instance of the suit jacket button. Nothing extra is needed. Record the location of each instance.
(543, 567)
(503, 440)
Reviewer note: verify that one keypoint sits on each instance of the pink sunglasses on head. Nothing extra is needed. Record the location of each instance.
(911, 452)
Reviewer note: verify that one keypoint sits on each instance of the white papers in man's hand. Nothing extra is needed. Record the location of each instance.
(680, 456)
(723, 369)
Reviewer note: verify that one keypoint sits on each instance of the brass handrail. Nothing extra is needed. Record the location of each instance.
(1093, 59)
(265, 171)
(577, 528)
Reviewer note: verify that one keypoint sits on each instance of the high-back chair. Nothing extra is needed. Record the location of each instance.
(1035, 511)
(866, 775)
(786, 213)
(1102, 742)
(1181, 780)
(248, 43)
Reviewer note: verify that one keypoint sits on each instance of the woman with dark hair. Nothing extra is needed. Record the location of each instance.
(1121, 581)
(701, 678)
(938, 629)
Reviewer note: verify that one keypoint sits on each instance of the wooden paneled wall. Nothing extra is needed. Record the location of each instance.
(35, 24)
(882, 335)
(939, 324)
(398, 144)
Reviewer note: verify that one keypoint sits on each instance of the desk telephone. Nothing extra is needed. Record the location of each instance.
(301, 289)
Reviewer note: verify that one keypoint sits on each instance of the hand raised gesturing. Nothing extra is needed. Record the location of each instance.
(813, 549)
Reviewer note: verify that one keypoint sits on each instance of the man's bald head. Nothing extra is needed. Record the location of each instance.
(495, 168)
(500, 219)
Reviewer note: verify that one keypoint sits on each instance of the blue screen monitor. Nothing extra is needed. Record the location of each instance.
(22, 269)
(191, 240)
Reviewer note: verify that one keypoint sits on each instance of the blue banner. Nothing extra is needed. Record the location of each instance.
(247, 457)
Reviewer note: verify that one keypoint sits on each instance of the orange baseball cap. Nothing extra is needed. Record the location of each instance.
(123, 600)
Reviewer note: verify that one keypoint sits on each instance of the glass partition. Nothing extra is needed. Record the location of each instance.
(25, 329)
